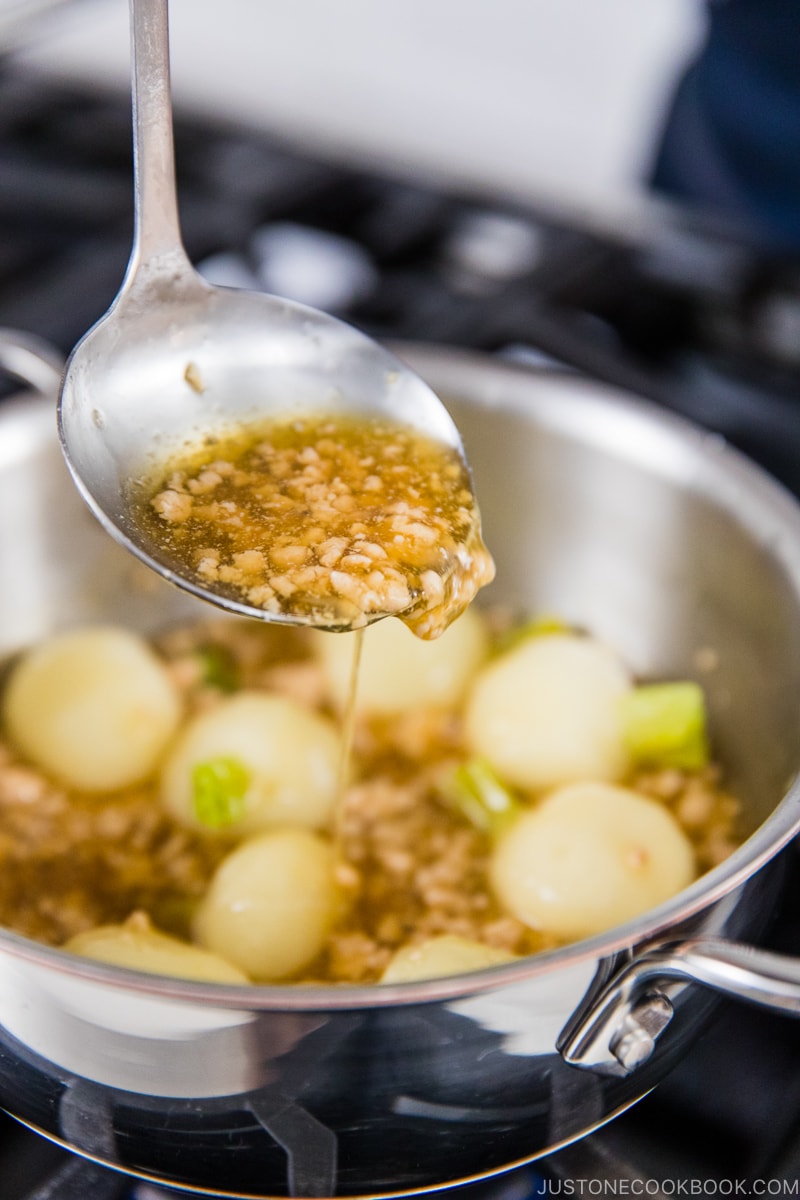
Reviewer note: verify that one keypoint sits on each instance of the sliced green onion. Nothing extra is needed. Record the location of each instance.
(218, 668)
(664, 725)
(476, 792)
(219, 788)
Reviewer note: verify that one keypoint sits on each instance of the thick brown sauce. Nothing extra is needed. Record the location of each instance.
(328, 520)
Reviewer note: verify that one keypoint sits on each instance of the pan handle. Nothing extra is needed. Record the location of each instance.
(617, 1030)
(32, 360)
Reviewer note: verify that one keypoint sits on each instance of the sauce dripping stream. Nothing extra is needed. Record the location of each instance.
(348, 732)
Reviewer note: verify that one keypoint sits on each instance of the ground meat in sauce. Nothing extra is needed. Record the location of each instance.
(331, 521)
(70, 862)
(412, 867)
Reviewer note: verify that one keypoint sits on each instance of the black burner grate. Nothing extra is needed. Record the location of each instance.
(689, 317)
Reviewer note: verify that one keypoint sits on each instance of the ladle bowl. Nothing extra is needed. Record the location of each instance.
(175, 360)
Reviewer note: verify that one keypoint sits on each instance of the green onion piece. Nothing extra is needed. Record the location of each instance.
(218, 668)
(541, 626)
(480, 797)
(664, 725)
(219, 787)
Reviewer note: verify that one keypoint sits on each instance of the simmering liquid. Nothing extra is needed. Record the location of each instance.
(332, 521)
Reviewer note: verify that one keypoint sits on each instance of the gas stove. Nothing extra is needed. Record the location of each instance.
(689, 316)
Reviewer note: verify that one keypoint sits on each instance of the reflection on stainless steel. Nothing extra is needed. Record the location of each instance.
(587, 1160)
(125, 401)
(622, 520)
(620, 1030)
(30, 359)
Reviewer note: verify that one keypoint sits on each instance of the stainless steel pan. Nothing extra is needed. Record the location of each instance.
(602, 509)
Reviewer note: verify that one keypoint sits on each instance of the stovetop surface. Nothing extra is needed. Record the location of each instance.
(692, 319)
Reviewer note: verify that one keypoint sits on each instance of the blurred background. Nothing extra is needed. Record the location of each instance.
(605, 185)
(550, 101)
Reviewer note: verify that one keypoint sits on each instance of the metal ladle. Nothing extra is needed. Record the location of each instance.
(174, 359)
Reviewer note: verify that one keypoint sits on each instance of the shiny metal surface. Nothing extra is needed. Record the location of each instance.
(620, 1030)
(175, 359)
(35, 362)
(621, 519)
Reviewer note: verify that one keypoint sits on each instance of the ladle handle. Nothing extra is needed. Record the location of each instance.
(158, 250)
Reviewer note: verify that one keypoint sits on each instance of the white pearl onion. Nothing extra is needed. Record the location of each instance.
(546, 712)
(588, 857)
(270, 904)
(94, 707)
(291, 756)
(139, 947)
(399, 671)
(447, 954)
